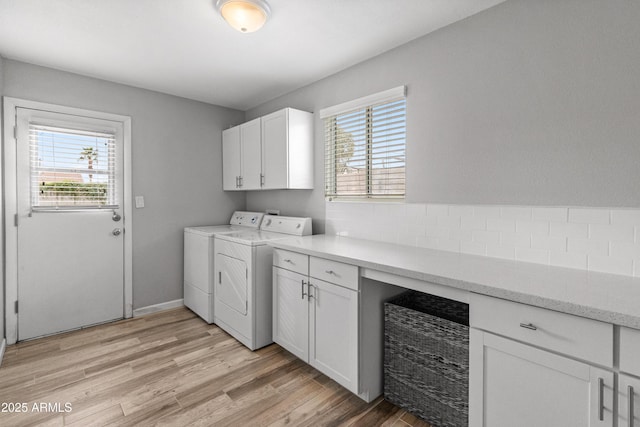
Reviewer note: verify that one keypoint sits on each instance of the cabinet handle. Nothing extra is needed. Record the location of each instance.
(288, 260)
(220, 277)
(240, 179)
(528, 326)
(329, 272)
(631, 411)
(237, 181)
(261, 180)
(601, 399)
(302, 288)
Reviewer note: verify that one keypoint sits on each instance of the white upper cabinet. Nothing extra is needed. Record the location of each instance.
(276, 152)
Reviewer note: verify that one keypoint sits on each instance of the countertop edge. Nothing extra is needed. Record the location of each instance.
(586, 311)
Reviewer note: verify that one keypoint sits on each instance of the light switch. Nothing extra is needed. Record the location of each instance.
(139, 202)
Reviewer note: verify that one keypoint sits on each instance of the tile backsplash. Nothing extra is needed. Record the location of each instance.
(597, 239)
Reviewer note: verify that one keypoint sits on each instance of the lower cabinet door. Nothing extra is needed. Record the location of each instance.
(291, 312)
(513, 384)
(333, 336)
(628, 401)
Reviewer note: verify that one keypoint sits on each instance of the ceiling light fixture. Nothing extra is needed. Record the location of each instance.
(245, 16)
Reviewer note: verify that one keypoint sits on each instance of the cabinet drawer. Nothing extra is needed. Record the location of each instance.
(334, 272)
(575, 336)
(291, 261)
(630, 351)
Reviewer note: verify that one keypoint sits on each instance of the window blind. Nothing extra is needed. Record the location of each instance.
(365, 151)
(71, 168)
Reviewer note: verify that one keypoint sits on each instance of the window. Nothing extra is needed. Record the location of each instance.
(71, 168)
(365, 147)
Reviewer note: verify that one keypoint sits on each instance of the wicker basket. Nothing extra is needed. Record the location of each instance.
(426, 357)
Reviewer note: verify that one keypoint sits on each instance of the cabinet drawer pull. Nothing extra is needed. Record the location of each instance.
(329, 272)
(288, 260)
(302, 288)
(601, 399)
(631, 413)
(528, 326)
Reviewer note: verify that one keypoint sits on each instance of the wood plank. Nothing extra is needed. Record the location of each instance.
(173, 369)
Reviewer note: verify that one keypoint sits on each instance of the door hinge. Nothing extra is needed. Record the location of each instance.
(16, 307)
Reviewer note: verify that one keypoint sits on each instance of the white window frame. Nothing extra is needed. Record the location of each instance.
(331, 113)
(8, 173)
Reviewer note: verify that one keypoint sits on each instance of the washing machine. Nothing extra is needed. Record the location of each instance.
(199, 258)
(243, 282)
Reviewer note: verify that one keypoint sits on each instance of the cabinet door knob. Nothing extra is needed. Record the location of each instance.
(631, 413)
(601, 399)
(528, 326)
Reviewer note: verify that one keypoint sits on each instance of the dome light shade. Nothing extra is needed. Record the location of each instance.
(245, 16)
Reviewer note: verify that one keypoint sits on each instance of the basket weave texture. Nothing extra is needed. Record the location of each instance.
(426, 357)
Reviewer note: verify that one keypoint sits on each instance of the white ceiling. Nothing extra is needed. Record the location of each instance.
(183, 47)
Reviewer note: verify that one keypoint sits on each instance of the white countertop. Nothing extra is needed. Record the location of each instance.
(600, 296)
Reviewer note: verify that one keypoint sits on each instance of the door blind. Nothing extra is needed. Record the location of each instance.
(365, 152)
(71, 168)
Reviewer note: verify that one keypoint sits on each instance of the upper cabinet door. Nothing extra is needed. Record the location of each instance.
(275, 158)
(231, 158)
(250, 140)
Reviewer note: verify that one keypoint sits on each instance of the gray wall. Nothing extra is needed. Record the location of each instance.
(530, 102)
(176, 150)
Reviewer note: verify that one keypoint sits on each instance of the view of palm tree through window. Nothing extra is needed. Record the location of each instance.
(366, 151)
(71, 168)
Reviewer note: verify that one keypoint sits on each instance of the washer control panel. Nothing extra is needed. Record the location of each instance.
(247, 219)
(287, 225)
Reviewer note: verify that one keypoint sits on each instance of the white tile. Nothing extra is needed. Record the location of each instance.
(532, 227)
(449, 245)
(436, 231)
(621, 233)
(550, 214)
(415, 209)
(589, 216)
(515, 240)
(486, 211)
(427, 242)
(562, 229)
(516, 212)
(449, 221)
(460, 210)
(569, 260)
(578, 245)
(473, 248)
(389, 211)
(487, 237)
(548, 243)
(473, 223)
(437, 210)
(461, 235)
(500, 251)
(610, 265)
(501, 224)
(625, 217)
(532, 255)
(625, 250)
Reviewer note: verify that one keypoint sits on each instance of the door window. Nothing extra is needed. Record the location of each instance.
(72, 168)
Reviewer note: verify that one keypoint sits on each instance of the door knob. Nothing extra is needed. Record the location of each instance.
(116, 231)
(116, 217)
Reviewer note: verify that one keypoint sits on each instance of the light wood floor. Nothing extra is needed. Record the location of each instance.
(173, 369)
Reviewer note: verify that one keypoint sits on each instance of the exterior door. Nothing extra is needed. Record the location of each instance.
(70, 222)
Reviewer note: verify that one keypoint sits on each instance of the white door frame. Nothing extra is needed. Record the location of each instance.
(9, 165)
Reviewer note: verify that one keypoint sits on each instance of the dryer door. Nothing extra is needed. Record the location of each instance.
(231, 284)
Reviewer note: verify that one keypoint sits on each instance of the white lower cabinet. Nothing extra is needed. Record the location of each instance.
(333, 332)
(513, 384)
(628, 401)
(318, 322)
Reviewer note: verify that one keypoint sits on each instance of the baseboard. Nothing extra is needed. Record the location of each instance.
(3, 345)
(158, 307)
